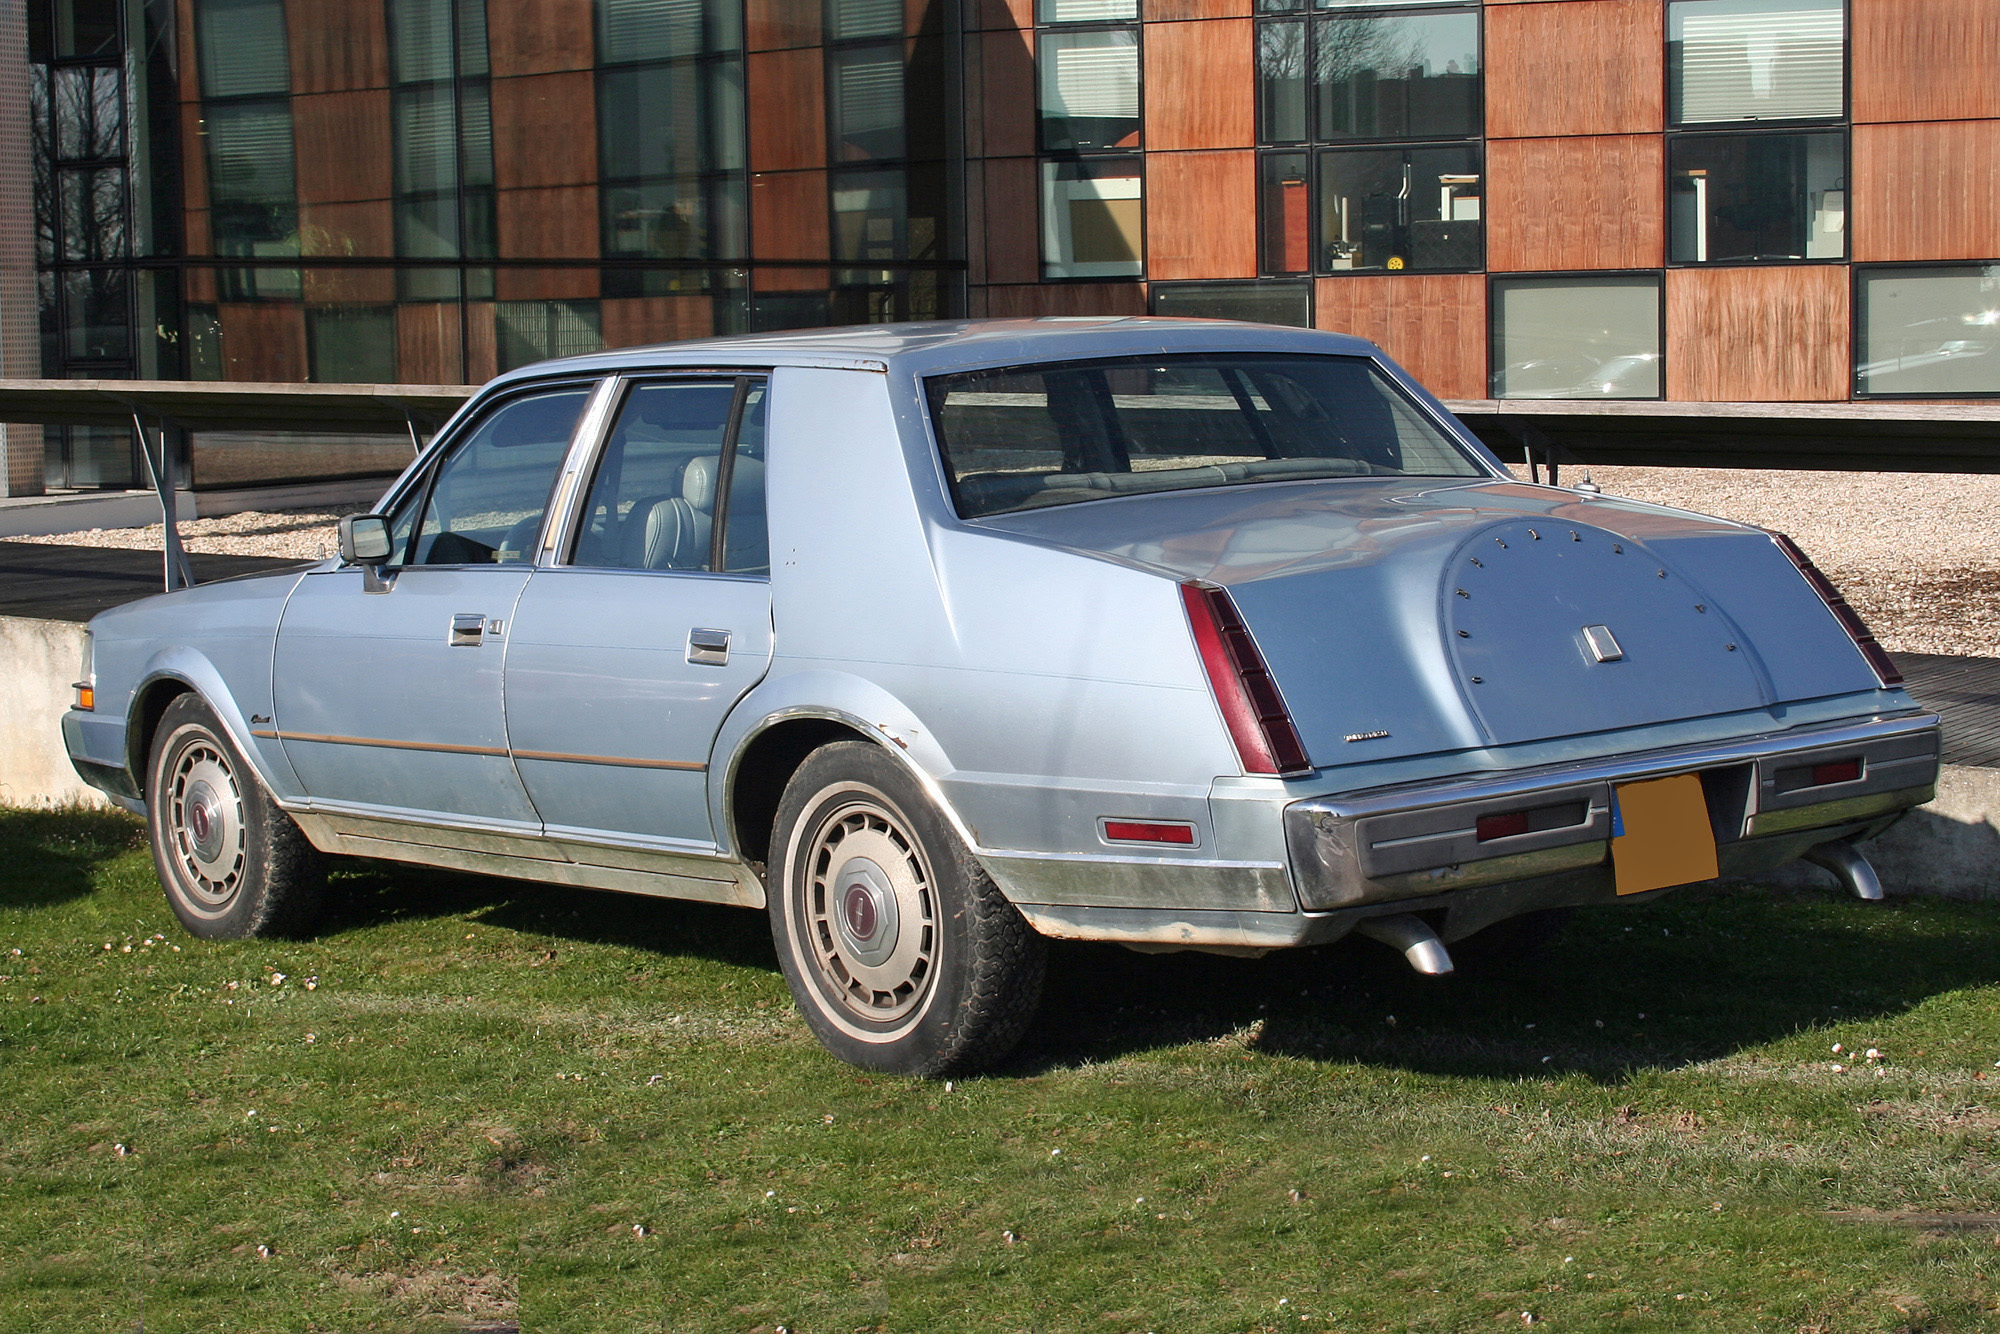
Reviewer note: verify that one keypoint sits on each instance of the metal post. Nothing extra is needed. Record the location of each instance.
(177, 572)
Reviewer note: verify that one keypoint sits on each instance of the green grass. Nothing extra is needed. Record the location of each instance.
(474, 1100)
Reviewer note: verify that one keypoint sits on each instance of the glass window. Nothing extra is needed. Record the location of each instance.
(421, 39)
(681, 218)
(1587, 337)
(1929, 330)
(1260, 303)
(1029, 437)
(89, 113)
(1085, 11)
(665, 29)
(1401, 208)
(1093, 219)
(487, 503)
(652, 503)
(848, 19)
(97, 314)
(1754, 59)
(1089, 90)
(93, 214)
(1285, 213)
(865, 101)
(1756, 197)
(243, 49)
(352, 344)
(1387, 76)
(655, 121)
(531, 331)
(1281, 82)
(251, 178)
(84, 27)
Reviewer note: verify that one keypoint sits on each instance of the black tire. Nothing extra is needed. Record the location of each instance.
(901, 952)
(233, 864)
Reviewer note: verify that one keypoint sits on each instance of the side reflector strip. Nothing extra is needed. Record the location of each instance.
(1252, 708)
(1141, 831)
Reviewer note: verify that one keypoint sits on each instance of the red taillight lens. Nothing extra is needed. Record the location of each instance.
(1502, 826)
(1145, 831)
(1857, 629)
(1840, 771)
(1252, 708)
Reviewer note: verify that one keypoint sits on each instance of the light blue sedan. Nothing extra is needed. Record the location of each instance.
(940, 640)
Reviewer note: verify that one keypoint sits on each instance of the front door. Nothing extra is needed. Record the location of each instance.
(389, 703)
(624, 660)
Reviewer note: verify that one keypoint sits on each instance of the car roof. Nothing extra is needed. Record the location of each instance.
(933, 346)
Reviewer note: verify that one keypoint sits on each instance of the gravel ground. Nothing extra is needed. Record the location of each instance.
(1918, 554)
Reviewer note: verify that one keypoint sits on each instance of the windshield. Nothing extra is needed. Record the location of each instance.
(1026, 437)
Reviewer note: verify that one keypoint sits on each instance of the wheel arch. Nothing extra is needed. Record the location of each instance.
(180, 671)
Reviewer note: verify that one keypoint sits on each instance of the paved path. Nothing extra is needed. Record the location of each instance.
(62, 583)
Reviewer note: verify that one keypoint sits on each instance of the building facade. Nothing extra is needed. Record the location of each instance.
(1700, 200)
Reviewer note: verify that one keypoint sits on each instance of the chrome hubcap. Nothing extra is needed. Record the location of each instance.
(871, 915)
(205, 817)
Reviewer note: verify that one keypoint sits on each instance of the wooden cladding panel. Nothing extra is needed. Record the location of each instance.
(632, 321)
(544, 131)
(788, 215)
(1433, 324)
(1201, 81)
(1926, 59)
(774, 25)
(555, 222)
(1926, 191)
(263, 342)
(1740, 335)
(1005, 13)
(1066, 299)
(1575, 203)
(341, 231)
(1162, 11)
(1007, 93)
(545, 284)
(540, 36)
(343, 147)
(1011, 217)
(786, 91)
(1578, 67)
(336, 45)
(429, 339)
(1199, 222)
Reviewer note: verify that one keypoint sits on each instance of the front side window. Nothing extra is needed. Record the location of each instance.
(662, 491)
(486, 502)
(1928, 330)
(1030, 437)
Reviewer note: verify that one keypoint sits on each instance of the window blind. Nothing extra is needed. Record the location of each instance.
(1095, 80)
(869, 94)
(243, 48)
(1740, 60)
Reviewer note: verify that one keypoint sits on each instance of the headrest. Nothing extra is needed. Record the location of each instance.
(698, 481)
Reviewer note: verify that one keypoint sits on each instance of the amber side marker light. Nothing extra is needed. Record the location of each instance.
(1145, 831)
(86, 696)
(1857, 629)
(1253, 710)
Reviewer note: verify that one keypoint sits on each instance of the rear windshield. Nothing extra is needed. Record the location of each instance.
(1026, 437)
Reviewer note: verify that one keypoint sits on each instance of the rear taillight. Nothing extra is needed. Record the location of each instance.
(1850, 620)
(1252, 708)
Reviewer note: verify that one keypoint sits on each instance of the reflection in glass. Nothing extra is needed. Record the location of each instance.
(92, 204)
(1754, 59)
(1260, 303)
(89, 113)
(1592, 337)
(85, 28)
(1929, 330)
(1757, 197)
(848, 19)
(1089, 90)
(532, 331)
(243, 51)
(1093, 219)
(421, 39)
(629, 30)
(351, 344)
(865, 100)
(869, 212)
(97, 314)
(1085, 11)
(1281, 82)
(1285, 213)
(254, 210)
(1401, 208)
(1380, 76)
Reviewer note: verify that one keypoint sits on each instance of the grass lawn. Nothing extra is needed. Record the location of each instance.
(473, 1101)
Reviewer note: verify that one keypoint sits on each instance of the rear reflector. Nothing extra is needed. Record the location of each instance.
(1141, 831)
(1252, 709)
(1508, 824)
(1502, 826)
(1818, 775)
(1857, 629)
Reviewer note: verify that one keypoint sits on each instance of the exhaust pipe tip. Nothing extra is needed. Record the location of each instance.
(1413, 938)
(1849, 867)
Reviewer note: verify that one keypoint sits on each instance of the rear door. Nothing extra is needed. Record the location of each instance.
(628, 649)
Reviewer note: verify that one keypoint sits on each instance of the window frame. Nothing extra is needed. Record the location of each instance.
(1045, 157)
(1493, 363)
(1857, 326)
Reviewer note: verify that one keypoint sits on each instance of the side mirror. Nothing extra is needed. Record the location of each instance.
(364, 541)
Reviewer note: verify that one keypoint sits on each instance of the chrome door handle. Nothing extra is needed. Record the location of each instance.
(467, 629)
(708, 646)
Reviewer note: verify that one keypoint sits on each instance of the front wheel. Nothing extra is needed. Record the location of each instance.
(900, 951)
(233, 864)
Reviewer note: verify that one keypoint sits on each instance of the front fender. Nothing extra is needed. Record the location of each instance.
(194, 669)
(836, 697)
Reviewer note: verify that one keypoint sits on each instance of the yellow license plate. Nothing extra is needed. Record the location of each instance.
(1661, 834)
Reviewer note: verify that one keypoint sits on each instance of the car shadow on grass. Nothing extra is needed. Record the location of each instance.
(1680, 980)
(49, 857)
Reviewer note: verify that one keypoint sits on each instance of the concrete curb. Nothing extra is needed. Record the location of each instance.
(1950, 847)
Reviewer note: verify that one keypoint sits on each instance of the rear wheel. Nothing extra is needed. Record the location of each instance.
(233, 864)
(901, 952)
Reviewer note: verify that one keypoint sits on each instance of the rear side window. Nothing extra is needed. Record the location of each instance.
(1032, 436)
